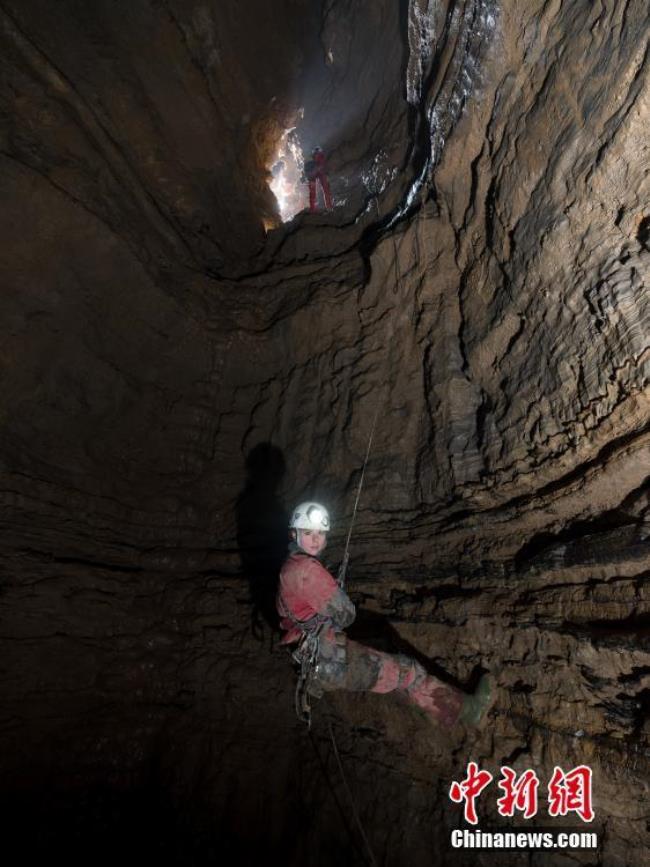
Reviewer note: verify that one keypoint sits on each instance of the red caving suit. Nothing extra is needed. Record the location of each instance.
(316, 172)
(309, 595)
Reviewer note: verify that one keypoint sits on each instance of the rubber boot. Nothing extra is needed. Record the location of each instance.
(476, 706)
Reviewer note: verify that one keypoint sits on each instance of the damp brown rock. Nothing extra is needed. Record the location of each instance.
(173, 379)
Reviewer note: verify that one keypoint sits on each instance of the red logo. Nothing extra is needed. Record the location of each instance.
(567, 792)
(469, 789)
(520, 793)
(571, 793)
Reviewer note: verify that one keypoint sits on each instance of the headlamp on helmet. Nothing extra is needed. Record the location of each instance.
(310, 516)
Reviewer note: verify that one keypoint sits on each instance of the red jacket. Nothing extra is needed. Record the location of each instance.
(308, 591)
(321, 162)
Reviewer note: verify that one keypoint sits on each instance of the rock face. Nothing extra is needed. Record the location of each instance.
(173, 379)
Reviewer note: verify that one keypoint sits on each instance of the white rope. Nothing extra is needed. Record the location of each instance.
(355, 812)
(346, 555)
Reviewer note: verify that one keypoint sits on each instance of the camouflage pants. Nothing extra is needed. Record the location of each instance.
(347, 665)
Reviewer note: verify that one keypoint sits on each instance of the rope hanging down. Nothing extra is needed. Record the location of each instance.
(346, 554)
(343, 568)
(355, 812)
(303, 708)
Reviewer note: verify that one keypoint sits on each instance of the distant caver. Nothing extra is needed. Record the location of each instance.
(316, 173)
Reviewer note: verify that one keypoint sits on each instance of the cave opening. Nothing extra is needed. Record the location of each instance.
(286, 176)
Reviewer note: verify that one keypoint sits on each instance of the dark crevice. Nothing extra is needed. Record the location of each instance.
(632, 632)
(643, 233)
(590, 530)
(638, 672)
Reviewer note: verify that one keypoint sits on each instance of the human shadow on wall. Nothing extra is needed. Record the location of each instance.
(262, 535)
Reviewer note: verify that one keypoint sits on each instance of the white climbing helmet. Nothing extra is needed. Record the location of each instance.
(310, 516)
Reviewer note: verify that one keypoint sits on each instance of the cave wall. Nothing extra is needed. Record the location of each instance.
(489, 308)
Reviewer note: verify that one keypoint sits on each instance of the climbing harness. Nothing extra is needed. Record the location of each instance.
(306, 657)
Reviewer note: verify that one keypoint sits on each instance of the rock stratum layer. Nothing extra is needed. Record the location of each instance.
(173, 379)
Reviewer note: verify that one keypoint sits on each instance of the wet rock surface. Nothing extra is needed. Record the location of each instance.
(171, 375)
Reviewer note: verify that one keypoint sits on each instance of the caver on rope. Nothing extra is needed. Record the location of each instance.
(314, 610)
(315, 175)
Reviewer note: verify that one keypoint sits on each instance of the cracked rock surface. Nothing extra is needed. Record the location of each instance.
(173, 379)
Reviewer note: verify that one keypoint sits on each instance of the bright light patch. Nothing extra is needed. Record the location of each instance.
(286, 171)
(315, 515)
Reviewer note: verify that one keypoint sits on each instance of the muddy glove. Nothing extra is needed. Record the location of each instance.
(340, 609)
(343, 569)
